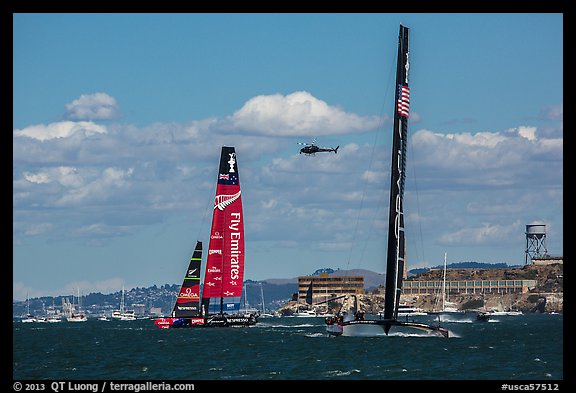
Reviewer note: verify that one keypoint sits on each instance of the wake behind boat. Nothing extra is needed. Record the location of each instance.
(219, 305)
(356, 323)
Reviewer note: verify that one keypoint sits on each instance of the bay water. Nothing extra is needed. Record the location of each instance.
(523, 347)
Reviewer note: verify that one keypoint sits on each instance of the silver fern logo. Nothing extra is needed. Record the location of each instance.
(221, 201)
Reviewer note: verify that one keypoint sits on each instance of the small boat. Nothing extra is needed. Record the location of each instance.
(263, 313)
(128, 315)
(448, 308)
(53, 316)
(28, 318)
(53, 319)
(483, 316)
(76, 316)
(506, 312)
(307, 313)
(123, 314)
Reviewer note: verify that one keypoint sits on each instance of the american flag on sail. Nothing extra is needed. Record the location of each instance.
(403, 100)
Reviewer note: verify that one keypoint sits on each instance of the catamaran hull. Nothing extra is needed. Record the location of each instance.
(356, 330)
(380, 327)
(215, 321)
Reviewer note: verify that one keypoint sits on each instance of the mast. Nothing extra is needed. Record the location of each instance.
(396, 245)
(122, 306)
(78, 302)
(262, 297)
(444, 285)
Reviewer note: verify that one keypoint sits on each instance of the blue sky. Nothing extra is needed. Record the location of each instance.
(118, 121)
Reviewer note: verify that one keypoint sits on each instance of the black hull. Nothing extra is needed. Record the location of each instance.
(337, 328)
(483, 317)
(226, 321)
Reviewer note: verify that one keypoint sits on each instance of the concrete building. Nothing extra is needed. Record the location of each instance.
(547, 260)
(325, 286)
(469, 287)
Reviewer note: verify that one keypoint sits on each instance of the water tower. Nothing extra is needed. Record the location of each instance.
(535, 241)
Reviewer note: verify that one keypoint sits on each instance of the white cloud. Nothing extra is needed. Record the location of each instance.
(486, 234)
(103, 187)
(474, 153)
(372, 176)
(297, 114)
(39, 229)
(92, 189)
(527, 132)
(97, 106)
(66, 176)
(103, 230)
(64, 129)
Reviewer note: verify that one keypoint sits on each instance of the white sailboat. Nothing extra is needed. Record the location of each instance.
(122, 314)
(306, 312)
(73, 316)
(500, 310)
(29, 317)
(52, 316)
(447, 307)
(264, 314)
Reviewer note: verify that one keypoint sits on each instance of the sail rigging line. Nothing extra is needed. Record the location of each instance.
(377, 133)
(207, 213)
(414, 181)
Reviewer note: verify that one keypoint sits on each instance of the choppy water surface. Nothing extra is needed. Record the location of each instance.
(525, 347)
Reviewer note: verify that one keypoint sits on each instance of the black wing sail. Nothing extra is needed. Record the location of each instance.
(396, 242)
(396, 247)
(310, 292)
(188, 301)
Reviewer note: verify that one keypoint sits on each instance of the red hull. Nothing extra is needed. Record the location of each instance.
(167, 323)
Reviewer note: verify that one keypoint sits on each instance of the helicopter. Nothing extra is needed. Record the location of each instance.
(312, 149)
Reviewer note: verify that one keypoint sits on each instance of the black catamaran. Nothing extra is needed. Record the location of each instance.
(338, 324)
(224, 274)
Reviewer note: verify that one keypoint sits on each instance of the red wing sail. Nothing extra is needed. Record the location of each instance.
(225, 264)
(188, 300)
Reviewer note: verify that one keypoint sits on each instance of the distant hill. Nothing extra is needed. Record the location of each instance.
(275, 291)
(462, 265)
(373, 280)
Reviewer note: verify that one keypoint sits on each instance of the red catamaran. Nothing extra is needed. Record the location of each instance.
(219, 304)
